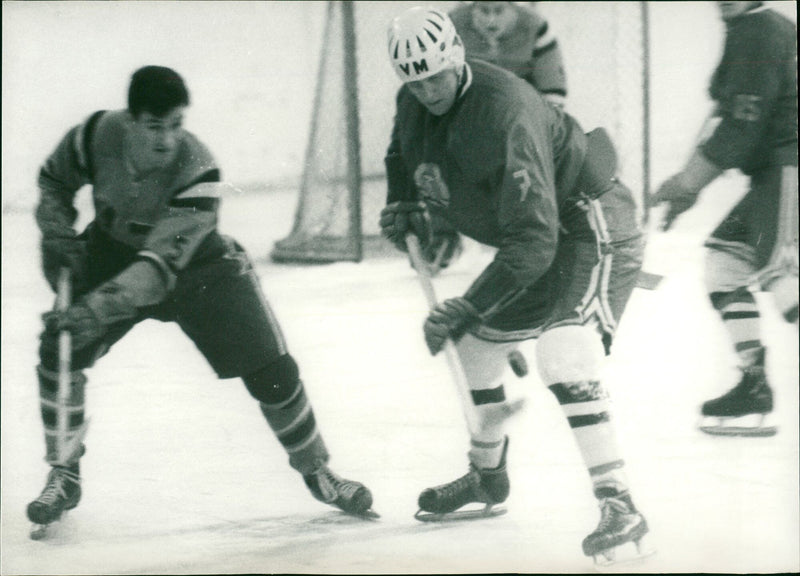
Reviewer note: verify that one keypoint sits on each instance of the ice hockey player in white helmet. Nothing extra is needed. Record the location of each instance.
(480, 147)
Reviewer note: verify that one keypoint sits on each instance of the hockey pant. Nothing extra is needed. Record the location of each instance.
(746, 253)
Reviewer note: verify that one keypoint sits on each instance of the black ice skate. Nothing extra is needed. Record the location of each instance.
(742, 410)
(483, 486)
(62, 493)
(620, 524)
(350, 496)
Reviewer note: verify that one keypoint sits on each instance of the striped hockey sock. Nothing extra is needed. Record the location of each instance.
(742, 319)
(74, 411)
(486, 449)
(586, 406)
(294, 424)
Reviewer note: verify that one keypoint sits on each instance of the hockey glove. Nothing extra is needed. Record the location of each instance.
(449, 320)
(677, 196)
(64, 252)
(119, 300)
(401, 218)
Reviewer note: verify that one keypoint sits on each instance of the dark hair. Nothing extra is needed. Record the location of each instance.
(157, 90)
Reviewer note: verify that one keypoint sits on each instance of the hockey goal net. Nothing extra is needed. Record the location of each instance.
(343, 189)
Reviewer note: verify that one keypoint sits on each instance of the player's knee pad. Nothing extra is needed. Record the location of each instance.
(484, 362)
(275, 382)
(785, 292)
(569, 354)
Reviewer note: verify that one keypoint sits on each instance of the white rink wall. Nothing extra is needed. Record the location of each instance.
(251, 68)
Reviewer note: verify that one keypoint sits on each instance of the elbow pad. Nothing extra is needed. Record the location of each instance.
(191, 218)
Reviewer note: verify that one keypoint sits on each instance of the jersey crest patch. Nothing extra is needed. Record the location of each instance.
(431, 185)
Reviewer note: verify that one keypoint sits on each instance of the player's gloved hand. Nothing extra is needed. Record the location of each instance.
(401, 218)
(79, 320)
(679, 198)
(64, 252)
(449, 320)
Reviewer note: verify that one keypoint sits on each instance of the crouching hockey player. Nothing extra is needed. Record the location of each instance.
(153, 251)
(481, 148)
(756, 245)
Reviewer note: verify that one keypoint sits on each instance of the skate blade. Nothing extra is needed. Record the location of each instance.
(489, 511)
(365, 515)
(752, 425)
(749, 431)
(623, 555)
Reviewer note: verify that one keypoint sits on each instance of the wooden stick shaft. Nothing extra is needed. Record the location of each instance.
(63, 299)
(451, 354)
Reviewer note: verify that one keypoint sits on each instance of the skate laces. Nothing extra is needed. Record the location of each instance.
(611, 508)
(455, 488)
(55, 487)
(331, 486)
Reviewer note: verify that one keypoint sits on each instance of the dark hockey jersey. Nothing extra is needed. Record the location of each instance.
(755, 88)
(164, 215)
(498, 165)
(529, 49)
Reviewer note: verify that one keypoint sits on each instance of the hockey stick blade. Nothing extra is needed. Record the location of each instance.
(51, 530)
(39, 531)
(648, 280)
(496, 414)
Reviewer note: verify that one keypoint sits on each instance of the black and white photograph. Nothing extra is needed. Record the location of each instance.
(398, 287)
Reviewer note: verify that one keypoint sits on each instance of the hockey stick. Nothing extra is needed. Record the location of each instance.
(493, 415)
(66, 447)
(63, 299)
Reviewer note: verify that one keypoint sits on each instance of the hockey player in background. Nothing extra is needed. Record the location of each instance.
(756, 245)
(153, 251)
(478, 146)
(517, 39)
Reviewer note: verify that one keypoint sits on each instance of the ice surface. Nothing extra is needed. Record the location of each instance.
(182, 476)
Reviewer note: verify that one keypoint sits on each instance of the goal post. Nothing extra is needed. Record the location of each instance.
(327, 225)
(342, 189)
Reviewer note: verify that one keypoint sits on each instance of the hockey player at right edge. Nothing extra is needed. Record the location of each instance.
(755, 90)
(480, 147)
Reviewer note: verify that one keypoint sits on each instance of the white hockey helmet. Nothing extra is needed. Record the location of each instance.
(423, 42)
